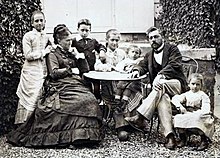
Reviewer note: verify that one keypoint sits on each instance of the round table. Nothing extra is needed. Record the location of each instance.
(111, 76)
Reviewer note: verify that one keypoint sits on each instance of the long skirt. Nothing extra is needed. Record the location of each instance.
(70, 115)
(29, 89)
(191, 120)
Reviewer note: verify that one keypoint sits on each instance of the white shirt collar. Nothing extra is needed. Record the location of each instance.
(78, 37)
(159, 56)
(37, 32)
(160, 48)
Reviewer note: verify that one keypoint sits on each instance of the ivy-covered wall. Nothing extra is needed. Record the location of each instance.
(197, 24)
(217, 33)
(192, 22)
(14, 23)
(189, 22)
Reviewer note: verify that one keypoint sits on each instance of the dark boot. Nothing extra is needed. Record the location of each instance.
(183, 140)
(204, 143)
(170, 142)
(124, 104)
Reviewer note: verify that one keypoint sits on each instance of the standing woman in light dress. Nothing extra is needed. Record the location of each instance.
(196, 116)
(36, 45)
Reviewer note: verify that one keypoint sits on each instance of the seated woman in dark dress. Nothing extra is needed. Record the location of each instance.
(68, 113)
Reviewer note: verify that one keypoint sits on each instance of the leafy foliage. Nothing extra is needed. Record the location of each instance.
(14, 23)
(217, 33)
(189, 22)
(197, 24)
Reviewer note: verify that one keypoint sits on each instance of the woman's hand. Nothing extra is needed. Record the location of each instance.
(75, 71)
(80, 56)
(46, 51)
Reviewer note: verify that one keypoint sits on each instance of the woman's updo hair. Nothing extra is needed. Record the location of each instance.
(60, 32)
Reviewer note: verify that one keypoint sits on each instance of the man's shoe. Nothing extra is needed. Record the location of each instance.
(123, 135)
(136, 121)
(170, 144)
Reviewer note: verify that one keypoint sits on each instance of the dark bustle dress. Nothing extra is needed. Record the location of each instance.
(68, 113)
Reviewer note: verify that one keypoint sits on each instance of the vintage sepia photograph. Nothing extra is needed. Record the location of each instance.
(109, 78)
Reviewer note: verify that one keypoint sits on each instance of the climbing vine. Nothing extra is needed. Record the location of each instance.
(189, 22)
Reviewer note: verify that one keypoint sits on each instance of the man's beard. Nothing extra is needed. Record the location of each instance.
(155, 45)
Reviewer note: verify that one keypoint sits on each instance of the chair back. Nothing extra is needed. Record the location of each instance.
(190, 65)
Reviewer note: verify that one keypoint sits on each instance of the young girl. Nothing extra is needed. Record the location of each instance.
(195, 116)
(32, 75)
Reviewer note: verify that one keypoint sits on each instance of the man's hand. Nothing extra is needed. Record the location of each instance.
(157, 85)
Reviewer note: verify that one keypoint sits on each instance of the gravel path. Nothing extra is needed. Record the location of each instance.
(136, 147)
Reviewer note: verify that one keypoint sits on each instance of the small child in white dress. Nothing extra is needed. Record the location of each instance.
(125, 88)
(196, 115)
(133, 58)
